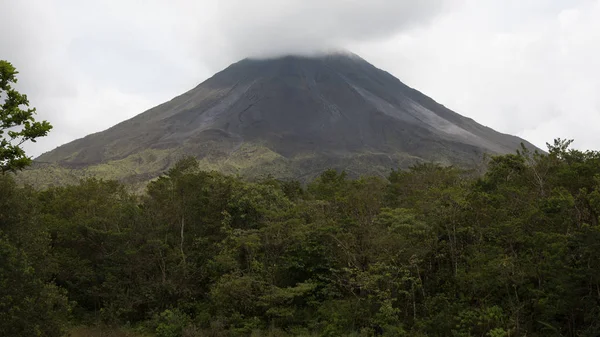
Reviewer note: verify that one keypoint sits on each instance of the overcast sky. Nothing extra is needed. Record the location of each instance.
(524, 67)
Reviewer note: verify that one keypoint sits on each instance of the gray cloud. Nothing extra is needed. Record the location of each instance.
(524, 67)
(267, 27)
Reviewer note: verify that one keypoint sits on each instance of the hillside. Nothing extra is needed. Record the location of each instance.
(289, 117)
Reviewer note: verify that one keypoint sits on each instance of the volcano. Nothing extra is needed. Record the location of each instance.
(288, 117)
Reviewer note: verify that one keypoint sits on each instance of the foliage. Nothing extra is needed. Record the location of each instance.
(431, 251)
(171, 323)
(17, 125)
(28, 307)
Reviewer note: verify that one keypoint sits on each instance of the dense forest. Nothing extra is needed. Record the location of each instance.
(431, 251)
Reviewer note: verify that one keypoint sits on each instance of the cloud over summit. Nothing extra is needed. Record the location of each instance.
(271, 27)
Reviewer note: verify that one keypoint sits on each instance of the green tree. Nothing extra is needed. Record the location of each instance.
(17, 124)
(28, 306)
(30, 303)
(90, 226)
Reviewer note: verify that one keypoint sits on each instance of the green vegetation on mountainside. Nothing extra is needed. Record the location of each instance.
(250, 161)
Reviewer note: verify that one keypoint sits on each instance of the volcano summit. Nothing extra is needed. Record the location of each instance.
(291, 117)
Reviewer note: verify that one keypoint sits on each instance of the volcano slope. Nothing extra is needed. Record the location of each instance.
(288, 117)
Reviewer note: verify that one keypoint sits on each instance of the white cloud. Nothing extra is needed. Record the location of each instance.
(268, 27)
